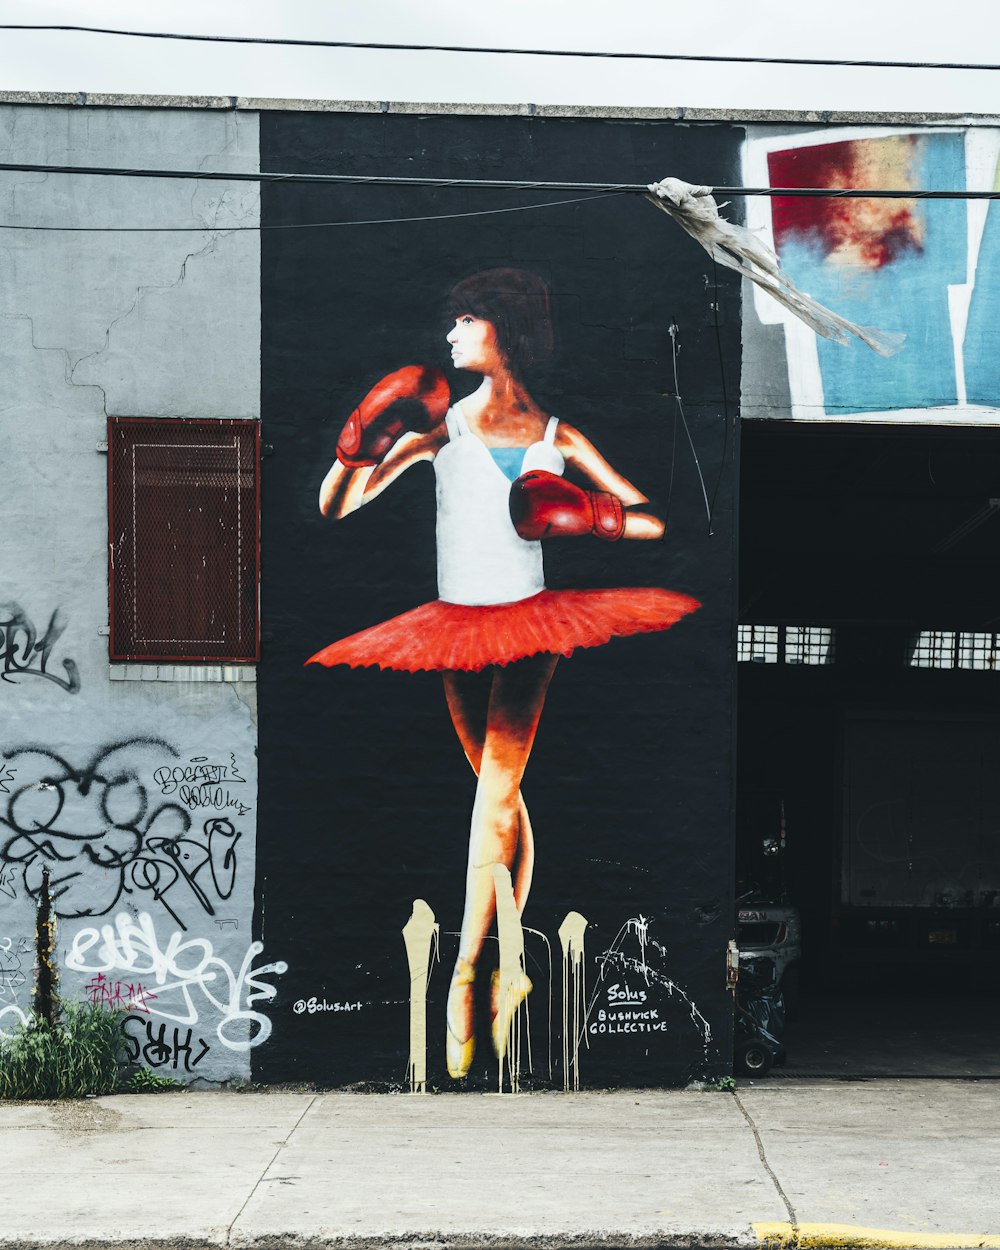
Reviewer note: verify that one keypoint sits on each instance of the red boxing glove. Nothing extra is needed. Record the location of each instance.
(413, 398)
(543, 505)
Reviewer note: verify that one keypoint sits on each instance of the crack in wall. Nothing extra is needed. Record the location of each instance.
(15, 184)
(231, 145)
(65, 352)
(245, 694)
(142, 292)
(246, 197)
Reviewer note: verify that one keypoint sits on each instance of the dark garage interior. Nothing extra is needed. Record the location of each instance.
(869, 732)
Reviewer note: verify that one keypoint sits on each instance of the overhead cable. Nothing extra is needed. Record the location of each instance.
(497, 184)
(309, 225)
(367, 46)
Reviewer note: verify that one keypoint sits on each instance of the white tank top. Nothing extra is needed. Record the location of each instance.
(480, 557)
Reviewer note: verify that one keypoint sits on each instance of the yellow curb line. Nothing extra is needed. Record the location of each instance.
(775, 1236)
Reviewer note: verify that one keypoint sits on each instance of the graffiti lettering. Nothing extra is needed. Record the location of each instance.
(211, 796)
(6, 774)
(199, 771)
(20, 645)
(312, 1005)
(651, 1014)
(202, 783)
(7, 885)
(75, 820)
(633, 1027)
(11, 1016)
(13, 951)
(118, 995)
(159, 1050)
(621, 995)
(185, 969)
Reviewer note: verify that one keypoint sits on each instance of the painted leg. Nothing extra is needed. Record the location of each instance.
(517, 696)
(467, 695)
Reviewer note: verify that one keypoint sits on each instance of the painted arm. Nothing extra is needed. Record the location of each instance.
(582, 456)
(344, 489)
(398, 423)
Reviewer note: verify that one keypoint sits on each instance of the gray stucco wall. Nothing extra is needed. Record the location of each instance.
(95, 782)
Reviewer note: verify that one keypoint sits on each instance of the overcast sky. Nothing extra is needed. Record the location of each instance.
(961, 30)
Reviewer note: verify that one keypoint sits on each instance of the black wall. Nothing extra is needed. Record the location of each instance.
(365, 794)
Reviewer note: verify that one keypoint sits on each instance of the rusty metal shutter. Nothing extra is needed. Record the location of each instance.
(183, 539)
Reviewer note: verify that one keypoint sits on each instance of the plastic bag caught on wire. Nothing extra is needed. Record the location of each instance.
(736, 247)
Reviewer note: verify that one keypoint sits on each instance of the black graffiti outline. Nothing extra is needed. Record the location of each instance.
(31, 646)
(215, 829)
(148, 862)
(11, 975)
(158, 1050)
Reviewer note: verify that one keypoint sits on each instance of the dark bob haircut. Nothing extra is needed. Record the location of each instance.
(516, 303)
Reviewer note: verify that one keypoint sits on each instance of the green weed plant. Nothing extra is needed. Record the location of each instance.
(144, 1081)
(82, 1052)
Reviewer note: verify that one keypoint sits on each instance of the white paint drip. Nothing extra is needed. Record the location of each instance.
(421, 936)
(574, 996)
(616, 958)
(548, 952)
(639, 925)
(626, 964)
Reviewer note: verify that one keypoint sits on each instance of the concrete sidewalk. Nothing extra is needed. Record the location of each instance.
(900, 1163)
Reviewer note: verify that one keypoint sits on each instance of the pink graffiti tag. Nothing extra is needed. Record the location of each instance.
(118, 995)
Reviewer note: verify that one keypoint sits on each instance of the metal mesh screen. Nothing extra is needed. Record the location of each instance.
(183, 520)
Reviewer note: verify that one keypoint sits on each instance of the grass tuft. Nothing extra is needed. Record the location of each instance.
(82, 1053)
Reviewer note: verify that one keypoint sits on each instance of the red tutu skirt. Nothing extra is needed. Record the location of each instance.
(441, 636)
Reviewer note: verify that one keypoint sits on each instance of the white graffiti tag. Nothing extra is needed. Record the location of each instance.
(131, 946)
(10, 1017)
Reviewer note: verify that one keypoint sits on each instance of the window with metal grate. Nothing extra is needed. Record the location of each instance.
(183, 539)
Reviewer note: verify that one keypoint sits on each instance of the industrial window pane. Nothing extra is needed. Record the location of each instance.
(791, 644)
(183, 516)
(757, 644)
(977, 651)
(808, 644)
(933, 648)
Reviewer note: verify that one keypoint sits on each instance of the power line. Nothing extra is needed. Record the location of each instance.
(495, 184)
(304, 225)
(500, 184)
(445, 47)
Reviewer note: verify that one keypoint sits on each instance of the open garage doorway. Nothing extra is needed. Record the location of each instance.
(869, 738)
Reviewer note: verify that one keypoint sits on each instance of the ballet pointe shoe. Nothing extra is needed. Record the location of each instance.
(504, 1012)
(458, 1053)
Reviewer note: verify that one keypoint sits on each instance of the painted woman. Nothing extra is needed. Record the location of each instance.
(508, 474)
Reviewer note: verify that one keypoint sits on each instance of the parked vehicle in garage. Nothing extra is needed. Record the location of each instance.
(760, 1017)
(772, 931)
